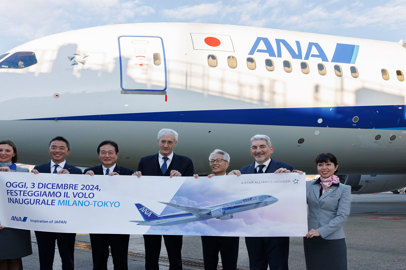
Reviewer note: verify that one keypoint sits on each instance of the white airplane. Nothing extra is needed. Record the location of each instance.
(222, 211)
(217, 85)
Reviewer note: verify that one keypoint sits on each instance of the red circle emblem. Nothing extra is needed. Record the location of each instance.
(212, 41)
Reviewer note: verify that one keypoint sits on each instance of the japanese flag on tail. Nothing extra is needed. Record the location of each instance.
(212, 42)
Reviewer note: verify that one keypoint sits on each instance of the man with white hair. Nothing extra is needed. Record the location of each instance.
(219, 161)
(164, 163)
(264, 251)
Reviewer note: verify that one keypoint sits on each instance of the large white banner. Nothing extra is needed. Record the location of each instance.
(247, 205)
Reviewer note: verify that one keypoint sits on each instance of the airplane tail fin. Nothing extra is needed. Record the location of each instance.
(146, 213)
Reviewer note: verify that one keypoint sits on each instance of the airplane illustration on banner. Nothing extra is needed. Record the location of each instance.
(190, 214)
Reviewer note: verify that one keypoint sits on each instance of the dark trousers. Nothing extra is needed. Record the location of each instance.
(264, 251)
(173, 244)
(46, 249)
(228, 248)
(100, 250)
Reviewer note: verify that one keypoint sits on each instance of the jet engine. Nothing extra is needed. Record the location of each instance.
(216, 213)
(375, 183)
(225, 217)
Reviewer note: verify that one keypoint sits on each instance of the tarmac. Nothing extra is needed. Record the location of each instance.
(375, 236)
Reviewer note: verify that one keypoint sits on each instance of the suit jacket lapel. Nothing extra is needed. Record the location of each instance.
(328, 192)
(174, 158)
(157, 166)
(252, 168)
(316, 190)
(272, 167)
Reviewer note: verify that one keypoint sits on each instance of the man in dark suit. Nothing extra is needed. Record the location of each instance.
(58, 149)
(264, 251)
(164, 163)
(108, 154)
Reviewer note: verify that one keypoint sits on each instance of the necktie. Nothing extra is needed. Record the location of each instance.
(55, 168)
(164, 167)
(107, 171)
(260, 168)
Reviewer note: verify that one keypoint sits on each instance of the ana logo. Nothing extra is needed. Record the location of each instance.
(343, 53)
(145, 211)
(20, 219)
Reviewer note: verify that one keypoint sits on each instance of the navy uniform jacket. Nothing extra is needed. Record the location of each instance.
(149, 165)
(118, 169)
(273, 166)
(46, 168)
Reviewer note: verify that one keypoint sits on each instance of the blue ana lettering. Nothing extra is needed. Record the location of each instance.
(313, 50)
(295, 55)
(20, 219)
(320, 53)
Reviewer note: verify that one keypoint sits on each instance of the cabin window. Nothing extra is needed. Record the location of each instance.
(212, 60)
(338, 70)
(322, 69)
(157, 59)
(354, 71)
(400, 75)
(304, 67)
(287, 66)
(19, 60)
(269, 65)
(385, 74)
(232, 61)
(251, 63)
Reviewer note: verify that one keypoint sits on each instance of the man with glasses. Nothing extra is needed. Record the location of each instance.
(264, 251)
(219, 161)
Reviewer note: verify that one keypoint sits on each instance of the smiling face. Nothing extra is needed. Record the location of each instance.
(260, 151)
(58, 150)
(166, 145)
(108, 155)
(6, 153)
(218, 164)
(326, 169)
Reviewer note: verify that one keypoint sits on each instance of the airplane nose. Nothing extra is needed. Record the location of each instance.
(271, 199)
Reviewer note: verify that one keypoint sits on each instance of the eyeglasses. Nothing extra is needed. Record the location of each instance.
(219, 160)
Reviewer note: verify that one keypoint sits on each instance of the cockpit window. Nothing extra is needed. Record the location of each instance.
(2, 55)
(19, 60)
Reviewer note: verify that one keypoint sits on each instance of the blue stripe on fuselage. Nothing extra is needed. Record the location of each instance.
(364, 117)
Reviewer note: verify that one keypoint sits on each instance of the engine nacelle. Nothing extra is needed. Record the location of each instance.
(216, 213)
(375, 183)
(229, 216)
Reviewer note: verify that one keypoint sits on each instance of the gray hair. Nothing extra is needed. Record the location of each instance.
(221, 152)
(168, 132)
(258, 137)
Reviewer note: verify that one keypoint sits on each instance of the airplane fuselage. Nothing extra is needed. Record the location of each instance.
(217, 86)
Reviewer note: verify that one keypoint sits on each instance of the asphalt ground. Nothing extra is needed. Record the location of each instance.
(375, 230)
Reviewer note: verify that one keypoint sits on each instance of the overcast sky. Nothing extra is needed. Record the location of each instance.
(24, 20)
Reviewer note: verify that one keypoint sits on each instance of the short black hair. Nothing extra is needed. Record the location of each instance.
(112, 143)
(13, 159)
(326, 157)
(60, 138)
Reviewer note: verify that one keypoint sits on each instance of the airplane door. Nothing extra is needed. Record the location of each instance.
(142, 64)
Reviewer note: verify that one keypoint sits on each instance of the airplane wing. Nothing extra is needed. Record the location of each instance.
(199, 212)
(140, 222)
